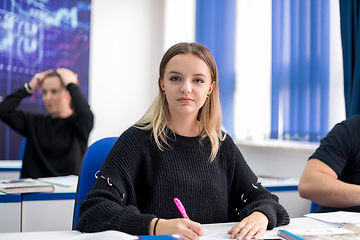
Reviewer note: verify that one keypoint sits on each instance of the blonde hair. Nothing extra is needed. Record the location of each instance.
(156, 118)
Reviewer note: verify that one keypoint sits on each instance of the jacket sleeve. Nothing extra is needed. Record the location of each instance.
(248, 195)
(83, 115)
(8, 113)
(115, 207)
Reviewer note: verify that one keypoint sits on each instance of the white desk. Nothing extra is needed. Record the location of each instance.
(295, 223)
(10, 169)
(38, 235)
(52, 211)
(10, 209)
(32, 212)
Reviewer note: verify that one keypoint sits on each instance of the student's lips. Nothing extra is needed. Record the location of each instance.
(185, 100)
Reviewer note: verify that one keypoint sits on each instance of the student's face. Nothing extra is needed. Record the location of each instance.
(55, 96)
(187, 81)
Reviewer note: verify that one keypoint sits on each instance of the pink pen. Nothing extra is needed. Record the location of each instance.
(181, 208)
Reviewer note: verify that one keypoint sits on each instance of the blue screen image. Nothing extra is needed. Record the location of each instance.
(36, 35)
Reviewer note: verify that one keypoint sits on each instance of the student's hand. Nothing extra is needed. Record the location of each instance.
(185, 228)
(67, 76)
(38, 78)
(253, 226)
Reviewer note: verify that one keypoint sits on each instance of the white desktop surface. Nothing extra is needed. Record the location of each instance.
(295, 223)
(10, 164)
(38, 235)
(10, 169)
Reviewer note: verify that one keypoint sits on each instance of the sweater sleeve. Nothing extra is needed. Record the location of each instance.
(250, 196)
(84, 118)
(115, 207)
(8, 113)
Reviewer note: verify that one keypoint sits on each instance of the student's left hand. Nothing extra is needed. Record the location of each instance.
(253, 226)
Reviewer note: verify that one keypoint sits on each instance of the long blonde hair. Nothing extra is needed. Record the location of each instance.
(156, 118)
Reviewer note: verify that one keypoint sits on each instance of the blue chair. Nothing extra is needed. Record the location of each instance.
(313, 208)
(92, 162)
(21, 152)
(22, 149)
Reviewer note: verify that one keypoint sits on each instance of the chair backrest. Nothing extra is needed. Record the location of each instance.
(21, 152)
(92, 162)
(22, 149)
(313, 207)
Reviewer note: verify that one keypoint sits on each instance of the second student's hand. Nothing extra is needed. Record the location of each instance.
(67, 76)
(180, 226)
(252, 227)
(38, 78)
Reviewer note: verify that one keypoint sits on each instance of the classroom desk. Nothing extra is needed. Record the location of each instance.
(10, 169)
(43, 211)
(49, 211)
(295, 223)
(48, 235)
(10, 209)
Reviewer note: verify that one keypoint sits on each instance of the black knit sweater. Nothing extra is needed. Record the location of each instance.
(145, 180)
(54, 147)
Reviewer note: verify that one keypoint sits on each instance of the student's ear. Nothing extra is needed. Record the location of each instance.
(161, 84)
(211, 87)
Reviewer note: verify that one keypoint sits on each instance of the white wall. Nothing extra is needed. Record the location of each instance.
(253, 70)
(126, 47)
(127, 43)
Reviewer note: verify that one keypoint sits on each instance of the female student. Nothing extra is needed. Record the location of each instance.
(177, 150)
(57, 142)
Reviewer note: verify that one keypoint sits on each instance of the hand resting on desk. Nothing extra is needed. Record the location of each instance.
(253, 226)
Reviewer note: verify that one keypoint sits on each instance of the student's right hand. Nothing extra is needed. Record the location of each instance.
(37, 79)
(185, 228)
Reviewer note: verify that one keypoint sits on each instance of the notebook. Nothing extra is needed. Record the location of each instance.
(26, 185)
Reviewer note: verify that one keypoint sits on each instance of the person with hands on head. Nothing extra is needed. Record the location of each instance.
(177, 150)
(57, 142)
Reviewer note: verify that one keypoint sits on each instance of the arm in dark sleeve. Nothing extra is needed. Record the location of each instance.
(83, 115)
(261, 200)
(115, 207)
(249, 196)
(339, 146)
(9, 115)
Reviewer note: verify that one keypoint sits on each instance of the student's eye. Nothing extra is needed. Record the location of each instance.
(43, 92)
(199, 80)
(174, 79)
(54, 91)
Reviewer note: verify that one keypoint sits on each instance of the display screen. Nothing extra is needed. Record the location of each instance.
(36, 35)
